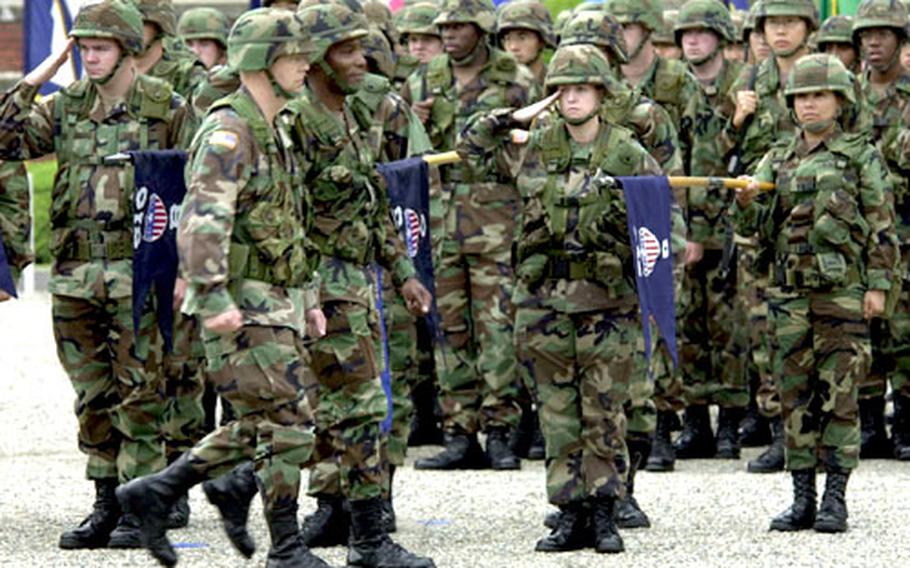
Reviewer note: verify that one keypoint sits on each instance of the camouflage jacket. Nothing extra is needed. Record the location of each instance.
(405, 64)
(179, 67)
(243, 233)
(573, 251)
(708, 157)
(15, 218)
(91, 204)
(353, 226)
(219, 82)
(830, 220)
(395, 132)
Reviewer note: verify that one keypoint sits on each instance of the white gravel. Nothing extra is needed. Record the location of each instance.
(707, 513)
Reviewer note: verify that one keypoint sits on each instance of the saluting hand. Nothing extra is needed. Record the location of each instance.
(224, 323)
(416, 297)
(527, 114)
(46, 70)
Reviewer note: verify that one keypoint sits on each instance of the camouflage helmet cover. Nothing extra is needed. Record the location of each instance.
(204, 23)
(577, 64)
(261, 36)
(804, 9)
(329, 24)
(880, 14)
(738, 17)
(477, 12)
(159, 12)
(113, 19)
(819, 72)
(380, 17)
(835, 29)
(526, 15)
(418, 19)
(705, 14)
(377, 48)
(596, 28)
(665, 34)
(645, 12)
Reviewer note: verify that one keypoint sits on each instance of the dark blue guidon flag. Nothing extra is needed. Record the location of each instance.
(408, 182)
(648, 201)
(7, 284)
(158, 193)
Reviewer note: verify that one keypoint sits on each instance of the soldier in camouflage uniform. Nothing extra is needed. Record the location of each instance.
(663, 40)
(835, 36)
(475, 360)
(205, 31)
(830, 223)
(736, 51)
(879, 31)
(119, 399)
(353, 229)
(15, 218)
(757, 48)
(525, 29)
(711, 364)
(577, 327)
(761, 118)
(245, 251)
(165, 56)
(419, 33)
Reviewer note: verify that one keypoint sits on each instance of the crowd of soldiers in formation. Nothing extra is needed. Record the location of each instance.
(791, 316)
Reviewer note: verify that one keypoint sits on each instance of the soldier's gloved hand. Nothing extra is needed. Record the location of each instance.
(527, 114)
(416, 297)
(873, 304)
(48, 68)
(315, 322)
(423, 109)
(746, 103)
(4, 296)
(225, 322)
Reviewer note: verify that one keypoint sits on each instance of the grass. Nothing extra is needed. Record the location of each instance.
(42, 173)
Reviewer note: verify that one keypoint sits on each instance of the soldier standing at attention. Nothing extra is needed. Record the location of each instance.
(250, 268)
(475, 360)
(525, 29)
(205, 31)
(419, 33)
(831, 225)
(577, 328)
(113, 110)
(835, 36)
(164, 55)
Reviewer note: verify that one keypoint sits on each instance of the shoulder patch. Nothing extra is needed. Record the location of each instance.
(224, 138)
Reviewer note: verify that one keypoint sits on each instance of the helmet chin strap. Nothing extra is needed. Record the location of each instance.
(470, 58)
(581, 120)
(641, 45)
(279, 91)
(107, 78)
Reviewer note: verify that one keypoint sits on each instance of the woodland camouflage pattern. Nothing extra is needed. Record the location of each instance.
(15, 219)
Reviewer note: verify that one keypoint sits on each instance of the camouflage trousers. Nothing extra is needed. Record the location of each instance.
(118, 400)
(475, 361)
(712, 363)
(645, 382)
(183, 371)
(351, 404)
(754, 336)
(581, 364)
(263, 372)
(890, 352)
(823, 350)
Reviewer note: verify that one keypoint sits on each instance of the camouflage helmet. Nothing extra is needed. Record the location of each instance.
(835, 29)
(880, 14)
(596, 28)
(526, 15)
(819, 72)
(418, 19)
(665, 34)
(560, 24)
(377, 48)
(160, 12)
(577, 64)
(204, 23)
(705, 14)
(645, 12)
(114, 19)
(352, 5)
(738, 17)
(380, 17)
(477, 12)
(261, 36)
(329, 24)
(749, 21)
(804, 9)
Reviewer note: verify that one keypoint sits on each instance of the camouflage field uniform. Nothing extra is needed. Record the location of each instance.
(219, 82)
(577, 330)
(118, 401)
(831, 226)
(178, 65)
(476, 362)
(529, 15)
(15, 216)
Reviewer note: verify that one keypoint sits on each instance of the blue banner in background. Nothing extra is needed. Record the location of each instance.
(7, 284)
(46, 25)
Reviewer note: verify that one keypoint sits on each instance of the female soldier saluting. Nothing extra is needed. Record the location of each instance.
(577, 326)
(830, 223)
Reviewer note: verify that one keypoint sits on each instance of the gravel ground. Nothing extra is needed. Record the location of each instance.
(707, 513)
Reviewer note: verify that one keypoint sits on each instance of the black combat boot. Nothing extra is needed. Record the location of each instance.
(627, 513)
(697, 440)
(371, 547)
(832, 515)
(754, 431)
(728, 433)
(462, 451)
(663, 455)
(499, 450)
(528, 442)
(126, 535)
(231, 494)
(149, 499)
(288, 549)
(875, 442)
(538, 448)
(801, 514)
(425, 429)
(900, 429)
(552, 519)
(606, 535)
(389, 521)
(329, 525)
(572, 531)
(95, 529)
(179, 517)
(772, 459)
